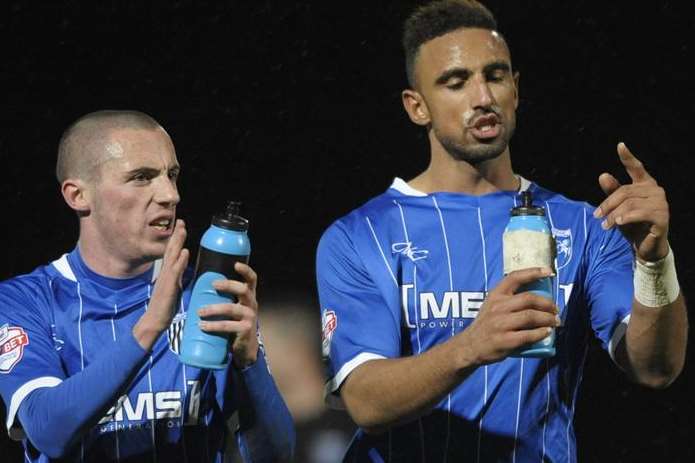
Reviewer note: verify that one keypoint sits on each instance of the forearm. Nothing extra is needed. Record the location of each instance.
(266, 430)
(54, 418)
(381, 393)
(653, 352)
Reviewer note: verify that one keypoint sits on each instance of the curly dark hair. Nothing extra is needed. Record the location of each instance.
(438, 18)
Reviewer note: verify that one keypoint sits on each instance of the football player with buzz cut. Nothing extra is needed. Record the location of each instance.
(86, 371)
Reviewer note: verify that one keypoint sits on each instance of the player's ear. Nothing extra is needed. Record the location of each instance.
(415, 106)
(77, 195)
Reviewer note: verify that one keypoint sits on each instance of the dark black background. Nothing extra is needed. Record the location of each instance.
(294, 109)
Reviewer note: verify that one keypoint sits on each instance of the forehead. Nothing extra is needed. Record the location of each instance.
(128, 149)
(463, 48)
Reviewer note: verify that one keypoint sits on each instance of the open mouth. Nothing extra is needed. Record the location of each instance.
(161, 224)
(486, 127)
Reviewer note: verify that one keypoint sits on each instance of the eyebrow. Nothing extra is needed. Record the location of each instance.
(150, 170)
(464, 73)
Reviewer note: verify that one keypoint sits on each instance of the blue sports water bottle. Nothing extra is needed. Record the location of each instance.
(528, 242)
(222, 245)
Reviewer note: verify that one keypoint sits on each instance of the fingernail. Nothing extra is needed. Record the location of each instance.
(604, 225)
(202, 324)
(598, 212)
(558, 321)
(619, 220)
(548, 330)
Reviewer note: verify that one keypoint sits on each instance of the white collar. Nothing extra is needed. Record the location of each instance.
(401, 186)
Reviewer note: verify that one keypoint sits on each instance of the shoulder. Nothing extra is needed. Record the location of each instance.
(557, 199)
(27, 295)
(357, 222)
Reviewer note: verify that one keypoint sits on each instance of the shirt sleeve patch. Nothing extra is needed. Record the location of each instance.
(12, 342)
(330, 323)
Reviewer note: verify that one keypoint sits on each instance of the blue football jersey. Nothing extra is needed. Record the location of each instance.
(59, 318)
(408, 270)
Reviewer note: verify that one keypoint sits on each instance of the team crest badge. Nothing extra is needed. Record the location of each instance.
(563, 243)
(175, 332)
(329, 322)
(12, 342)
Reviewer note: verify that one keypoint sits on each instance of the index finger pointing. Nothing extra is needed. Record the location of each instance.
(634, 167)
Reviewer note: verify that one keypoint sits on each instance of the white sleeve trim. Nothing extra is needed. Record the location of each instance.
(334, 400)
(15, 431)
(618, 335)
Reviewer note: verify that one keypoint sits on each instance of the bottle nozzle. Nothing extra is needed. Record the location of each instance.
(233, 208)
(230, 218)
(526, 200)
(526, 207)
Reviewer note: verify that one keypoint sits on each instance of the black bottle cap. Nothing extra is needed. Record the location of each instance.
(527, 207)
(230, 218)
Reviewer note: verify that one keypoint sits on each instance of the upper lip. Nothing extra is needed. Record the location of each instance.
(487, 119)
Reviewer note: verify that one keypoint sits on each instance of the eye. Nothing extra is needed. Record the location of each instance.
(455, 84)
(496, 76)
(174, 174)
(141, 177)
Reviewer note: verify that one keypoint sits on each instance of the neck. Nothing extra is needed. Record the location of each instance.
(108, 261)
(446, 174)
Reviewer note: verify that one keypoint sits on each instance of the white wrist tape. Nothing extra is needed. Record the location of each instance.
(656, 283)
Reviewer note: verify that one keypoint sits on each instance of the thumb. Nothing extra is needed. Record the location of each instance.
(608, 183)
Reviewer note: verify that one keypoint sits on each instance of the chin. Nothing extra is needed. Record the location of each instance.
(477, 154)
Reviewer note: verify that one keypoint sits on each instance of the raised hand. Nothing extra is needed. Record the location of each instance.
(508, 321)
(238, 319)
(640, 209)
(165, 294)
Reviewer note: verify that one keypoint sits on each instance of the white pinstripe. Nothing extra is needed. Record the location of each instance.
(383, 256)
(417, 324)
(113, 332)
(113, 328)
(185, 391)
(584, 212)
(419, 350)
(407, 239)
(518, 408)
(574, 401)
(451, 288)
(557, 303)
(482, 410)
(149, 381)
(79, 336)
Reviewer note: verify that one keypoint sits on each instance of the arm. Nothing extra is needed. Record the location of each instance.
(266, 430)
(54, 418)
(381, 393)
(653, 349)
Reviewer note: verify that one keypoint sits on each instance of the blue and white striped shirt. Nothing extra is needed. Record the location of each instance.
(408, 270)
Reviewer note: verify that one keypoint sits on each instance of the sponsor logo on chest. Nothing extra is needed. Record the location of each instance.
(440, 309)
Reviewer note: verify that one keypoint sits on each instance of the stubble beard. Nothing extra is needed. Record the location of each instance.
(477, 153)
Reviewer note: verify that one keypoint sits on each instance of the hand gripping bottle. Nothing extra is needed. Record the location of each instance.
(528, 242)
(222, 245)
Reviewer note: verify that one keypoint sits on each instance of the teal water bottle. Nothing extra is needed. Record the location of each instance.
(528, 242)
(222, 245)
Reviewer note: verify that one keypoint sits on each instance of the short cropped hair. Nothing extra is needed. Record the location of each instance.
(83, 146)
(438, 18)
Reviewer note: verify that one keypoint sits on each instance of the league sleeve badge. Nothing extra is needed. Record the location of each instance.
(12, 342)
(329, 321)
